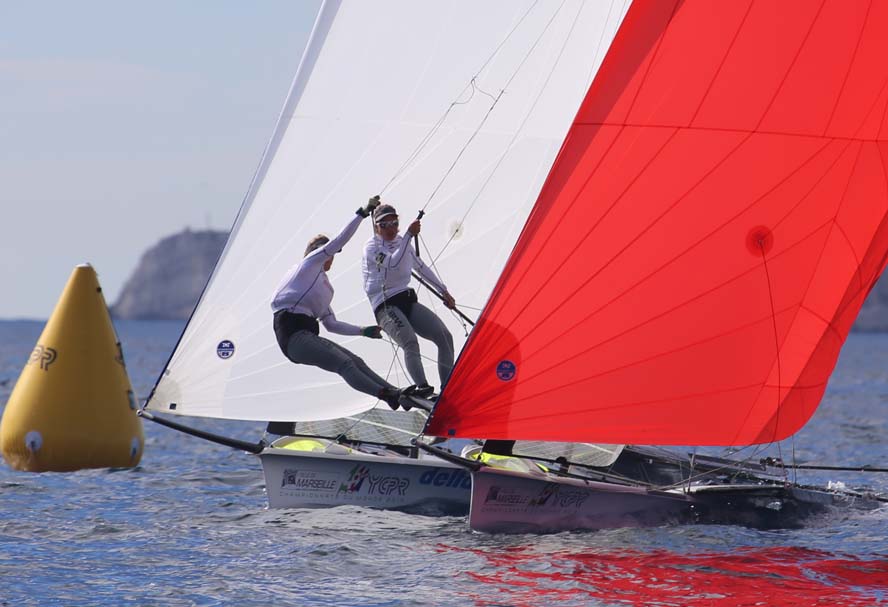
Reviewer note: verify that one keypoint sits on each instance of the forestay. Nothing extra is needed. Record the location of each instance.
(374, 81)
(706, 238)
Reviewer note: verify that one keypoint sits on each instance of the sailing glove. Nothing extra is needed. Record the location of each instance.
(373, 332)
(368, 208)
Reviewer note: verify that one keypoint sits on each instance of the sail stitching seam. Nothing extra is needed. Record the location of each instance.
(664, 313)
(691, 247)
(791, 66)
(721, 64)
(832, 222)
(850, 67)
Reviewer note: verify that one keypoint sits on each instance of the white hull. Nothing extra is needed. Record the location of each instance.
(428, 485)
(504, 501)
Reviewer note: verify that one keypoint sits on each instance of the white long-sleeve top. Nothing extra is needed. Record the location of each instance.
(387, 266)
(305, 288)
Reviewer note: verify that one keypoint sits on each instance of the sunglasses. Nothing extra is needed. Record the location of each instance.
(388, 224)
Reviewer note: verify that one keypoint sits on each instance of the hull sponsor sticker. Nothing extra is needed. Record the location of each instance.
(293, 480)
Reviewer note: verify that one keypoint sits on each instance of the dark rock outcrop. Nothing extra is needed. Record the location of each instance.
(170, 276)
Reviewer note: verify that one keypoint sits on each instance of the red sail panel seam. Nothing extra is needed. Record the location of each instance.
(827, 172)
(687, 346)
(654, 56)
(707, 129)
(642, 403)
(741, 328)
(531, 261)
(850, 67)
(721, 64)
(833, 223)
(680, 254)
(791, 65)
(777, 344)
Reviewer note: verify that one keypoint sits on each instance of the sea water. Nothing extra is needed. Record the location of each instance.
(190, 526)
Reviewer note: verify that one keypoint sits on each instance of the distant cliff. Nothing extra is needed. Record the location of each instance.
(170, 276)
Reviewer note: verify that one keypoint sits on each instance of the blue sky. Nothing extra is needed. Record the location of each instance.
(122, 123)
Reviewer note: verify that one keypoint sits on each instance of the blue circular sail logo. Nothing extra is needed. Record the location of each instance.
(225, 349)
(505, 370)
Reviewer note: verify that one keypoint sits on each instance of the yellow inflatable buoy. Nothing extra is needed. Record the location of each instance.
(73, 406)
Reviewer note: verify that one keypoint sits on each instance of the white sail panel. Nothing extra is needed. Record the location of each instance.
(375, 79)
(380, 425)
(586, 454)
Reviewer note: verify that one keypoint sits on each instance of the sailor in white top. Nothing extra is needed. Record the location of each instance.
(303, 297)
(388, 263)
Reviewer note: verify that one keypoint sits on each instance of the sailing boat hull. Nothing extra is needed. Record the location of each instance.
(504, 501)
(428, 485)
(773, 506)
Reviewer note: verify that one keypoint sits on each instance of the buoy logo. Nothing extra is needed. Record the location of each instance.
(505, 370)
(225, 349)
(43, 356)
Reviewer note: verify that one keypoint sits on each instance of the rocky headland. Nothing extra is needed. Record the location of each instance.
(170, 276)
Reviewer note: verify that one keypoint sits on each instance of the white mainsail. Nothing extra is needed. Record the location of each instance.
(374, 81)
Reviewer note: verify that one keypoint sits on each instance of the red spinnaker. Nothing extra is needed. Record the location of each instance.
(705, 239)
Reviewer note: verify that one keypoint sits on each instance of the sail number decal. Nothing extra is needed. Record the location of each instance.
(225, 349)
(505, 370)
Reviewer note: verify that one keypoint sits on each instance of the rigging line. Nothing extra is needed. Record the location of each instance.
(740, 460)
(428, 136)
(468, 307)
(735, 465)
(833, 224)
(495, 102)
(761, 242)
(709, 472)
(458, 315)
(360, 419)
(462, 318)
(520, 128)
(462, 151)
(421, 355)
(453, 104)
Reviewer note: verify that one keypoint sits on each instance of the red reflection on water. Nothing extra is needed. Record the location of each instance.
(744, 577)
